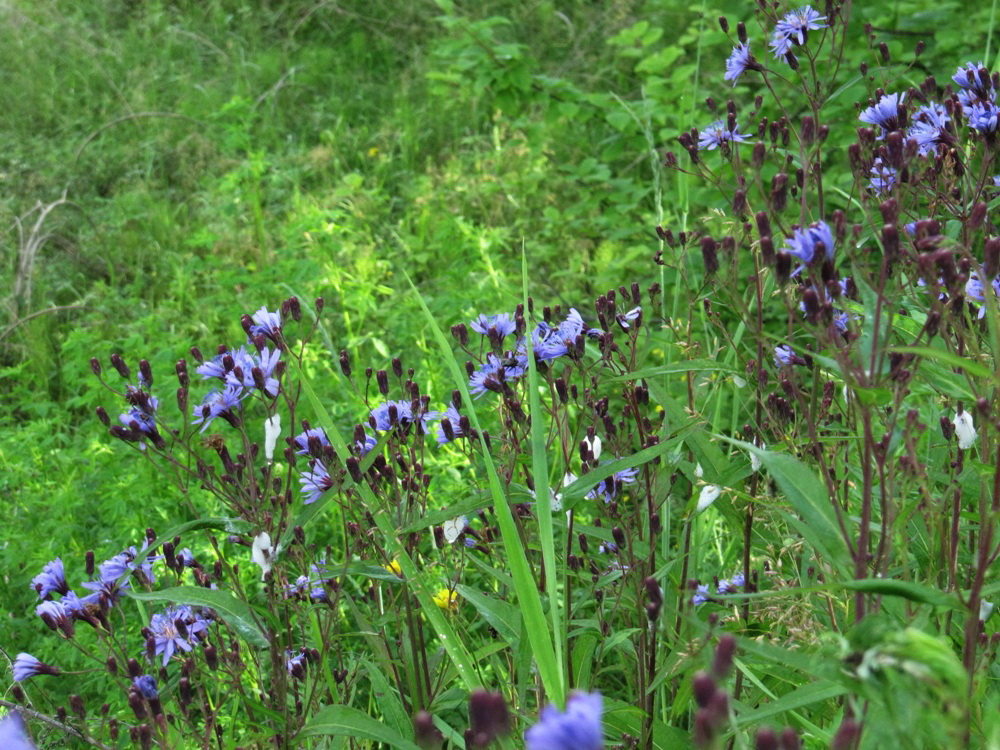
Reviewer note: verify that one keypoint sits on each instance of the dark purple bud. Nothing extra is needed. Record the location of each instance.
(319, 304)
(488, 717)
(95, 366)
(783, 267)
(354, 468)
(724, 24)
(709, 255)
(119, 364)
(978, 215)
(103, 416)
(704, 688)
(739, 202)
(145, 373)
(382, 378)
(741, 32)
(779, 192)
(890, 241)
(724, 652)
(808, 130)
(847, 736)
(345, 363)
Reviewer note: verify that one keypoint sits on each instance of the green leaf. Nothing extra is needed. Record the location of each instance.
(809, 496)
(345, 721)
(504, 617)
(388, 701)
(236, 613)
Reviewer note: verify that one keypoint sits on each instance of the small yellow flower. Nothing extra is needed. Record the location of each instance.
(446, 599)
(393, 567)
(373, 151)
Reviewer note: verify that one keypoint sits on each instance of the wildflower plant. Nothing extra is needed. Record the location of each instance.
(534, 544)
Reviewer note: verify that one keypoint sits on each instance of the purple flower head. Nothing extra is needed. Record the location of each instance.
(295, 663)
(223, 364)
(610, 486)
(124, 563)
(452, 415)
(716, 134)
(315, 482)
(381, 416)
(973, 89)
(366, 447)
(983, 117)
(731, 586)
(12, 733)
(803, 242)
(225, 404)
(930, 127)
(242, 375)
(996, 183)
(551, 343)
(267, 324)
(106, 593)
(887, 113)
(188, 558)
(608, 548)
(883, 178)
(52, 578)
(298, 588)
(579, 727)
(26, 666)
(147, 687)
(785, 356)
(302, 440)
(793, 29)
(974, 289)
(167, 635)
(503, 323)
(56, 616)
(701, 594)
(740, 61)
(494, 371)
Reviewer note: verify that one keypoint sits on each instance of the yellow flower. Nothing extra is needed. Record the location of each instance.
(373, 151)
(393, 567)
(446, 599)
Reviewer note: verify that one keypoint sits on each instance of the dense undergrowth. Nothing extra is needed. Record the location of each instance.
(169, 166)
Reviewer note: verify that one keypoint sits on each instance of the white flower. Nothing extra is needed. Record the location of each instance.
(263, 553)
(709, 494)
(698, 471)
(965, 430)
(594, 445)
(755, 463)
(272, 428)
(454, 528)
(985, 610)
(568, 479)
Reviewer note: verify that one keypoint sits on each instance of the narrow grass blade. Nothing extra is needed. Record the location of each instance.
(525, 589)
(455, 648)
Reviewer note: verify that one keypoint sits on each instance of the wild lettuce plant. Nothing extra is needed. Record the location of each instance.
(608, 526)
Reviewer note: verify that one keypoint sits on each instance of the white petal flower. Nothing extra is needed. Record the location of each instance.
(709, 494)
(698, 471)
(454, 528)
(594, 445)
(272, 428)
(965, 430)
(263, 553)
(985, 610)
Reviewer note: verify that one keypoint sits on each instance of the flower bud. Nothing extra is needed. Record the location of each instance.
(709, 255)
(95, 366)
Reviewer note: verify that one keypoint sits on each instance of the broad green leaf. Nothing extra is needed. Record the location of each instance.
(387, 699)
(504, 617)
(346, 721)
(809, 496)
(236, 613)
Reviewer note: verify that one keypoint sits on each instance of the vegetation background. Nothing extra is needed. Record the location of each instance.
(165, 166)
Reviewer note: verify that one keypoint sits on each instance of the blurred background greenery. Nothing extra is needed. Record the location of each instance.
(197, 159)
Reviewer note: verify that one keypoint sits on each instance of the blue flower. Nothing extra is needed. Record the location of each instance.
(974, 289)
(983, 117)
(454, 418)
(578, 728)
(930, 127)
(803, 242)
(551, 343)
(124, 562)
(784, 356)
(315, 483)
(56, 616)
(268, 324)
(146, 685)
(731, 586)
(716, 134)
(106, 593)
(886, 113)
(610, 486)
(295, 663)
(12, 733)
(381, 416)
(302, 440)
(223, 404)
(495, 370)
(793, 29)
(883, 177)
(242, 376)
(701, 594)
(740, 61)
(222, 364)
(973, 89)
(167, 635)
(52, 578)
(366, 447)
(503, 323)
(996, 180)
(27, 666)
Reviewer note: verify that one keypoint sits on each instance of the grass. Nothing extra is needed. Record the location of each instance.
(218, 156)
